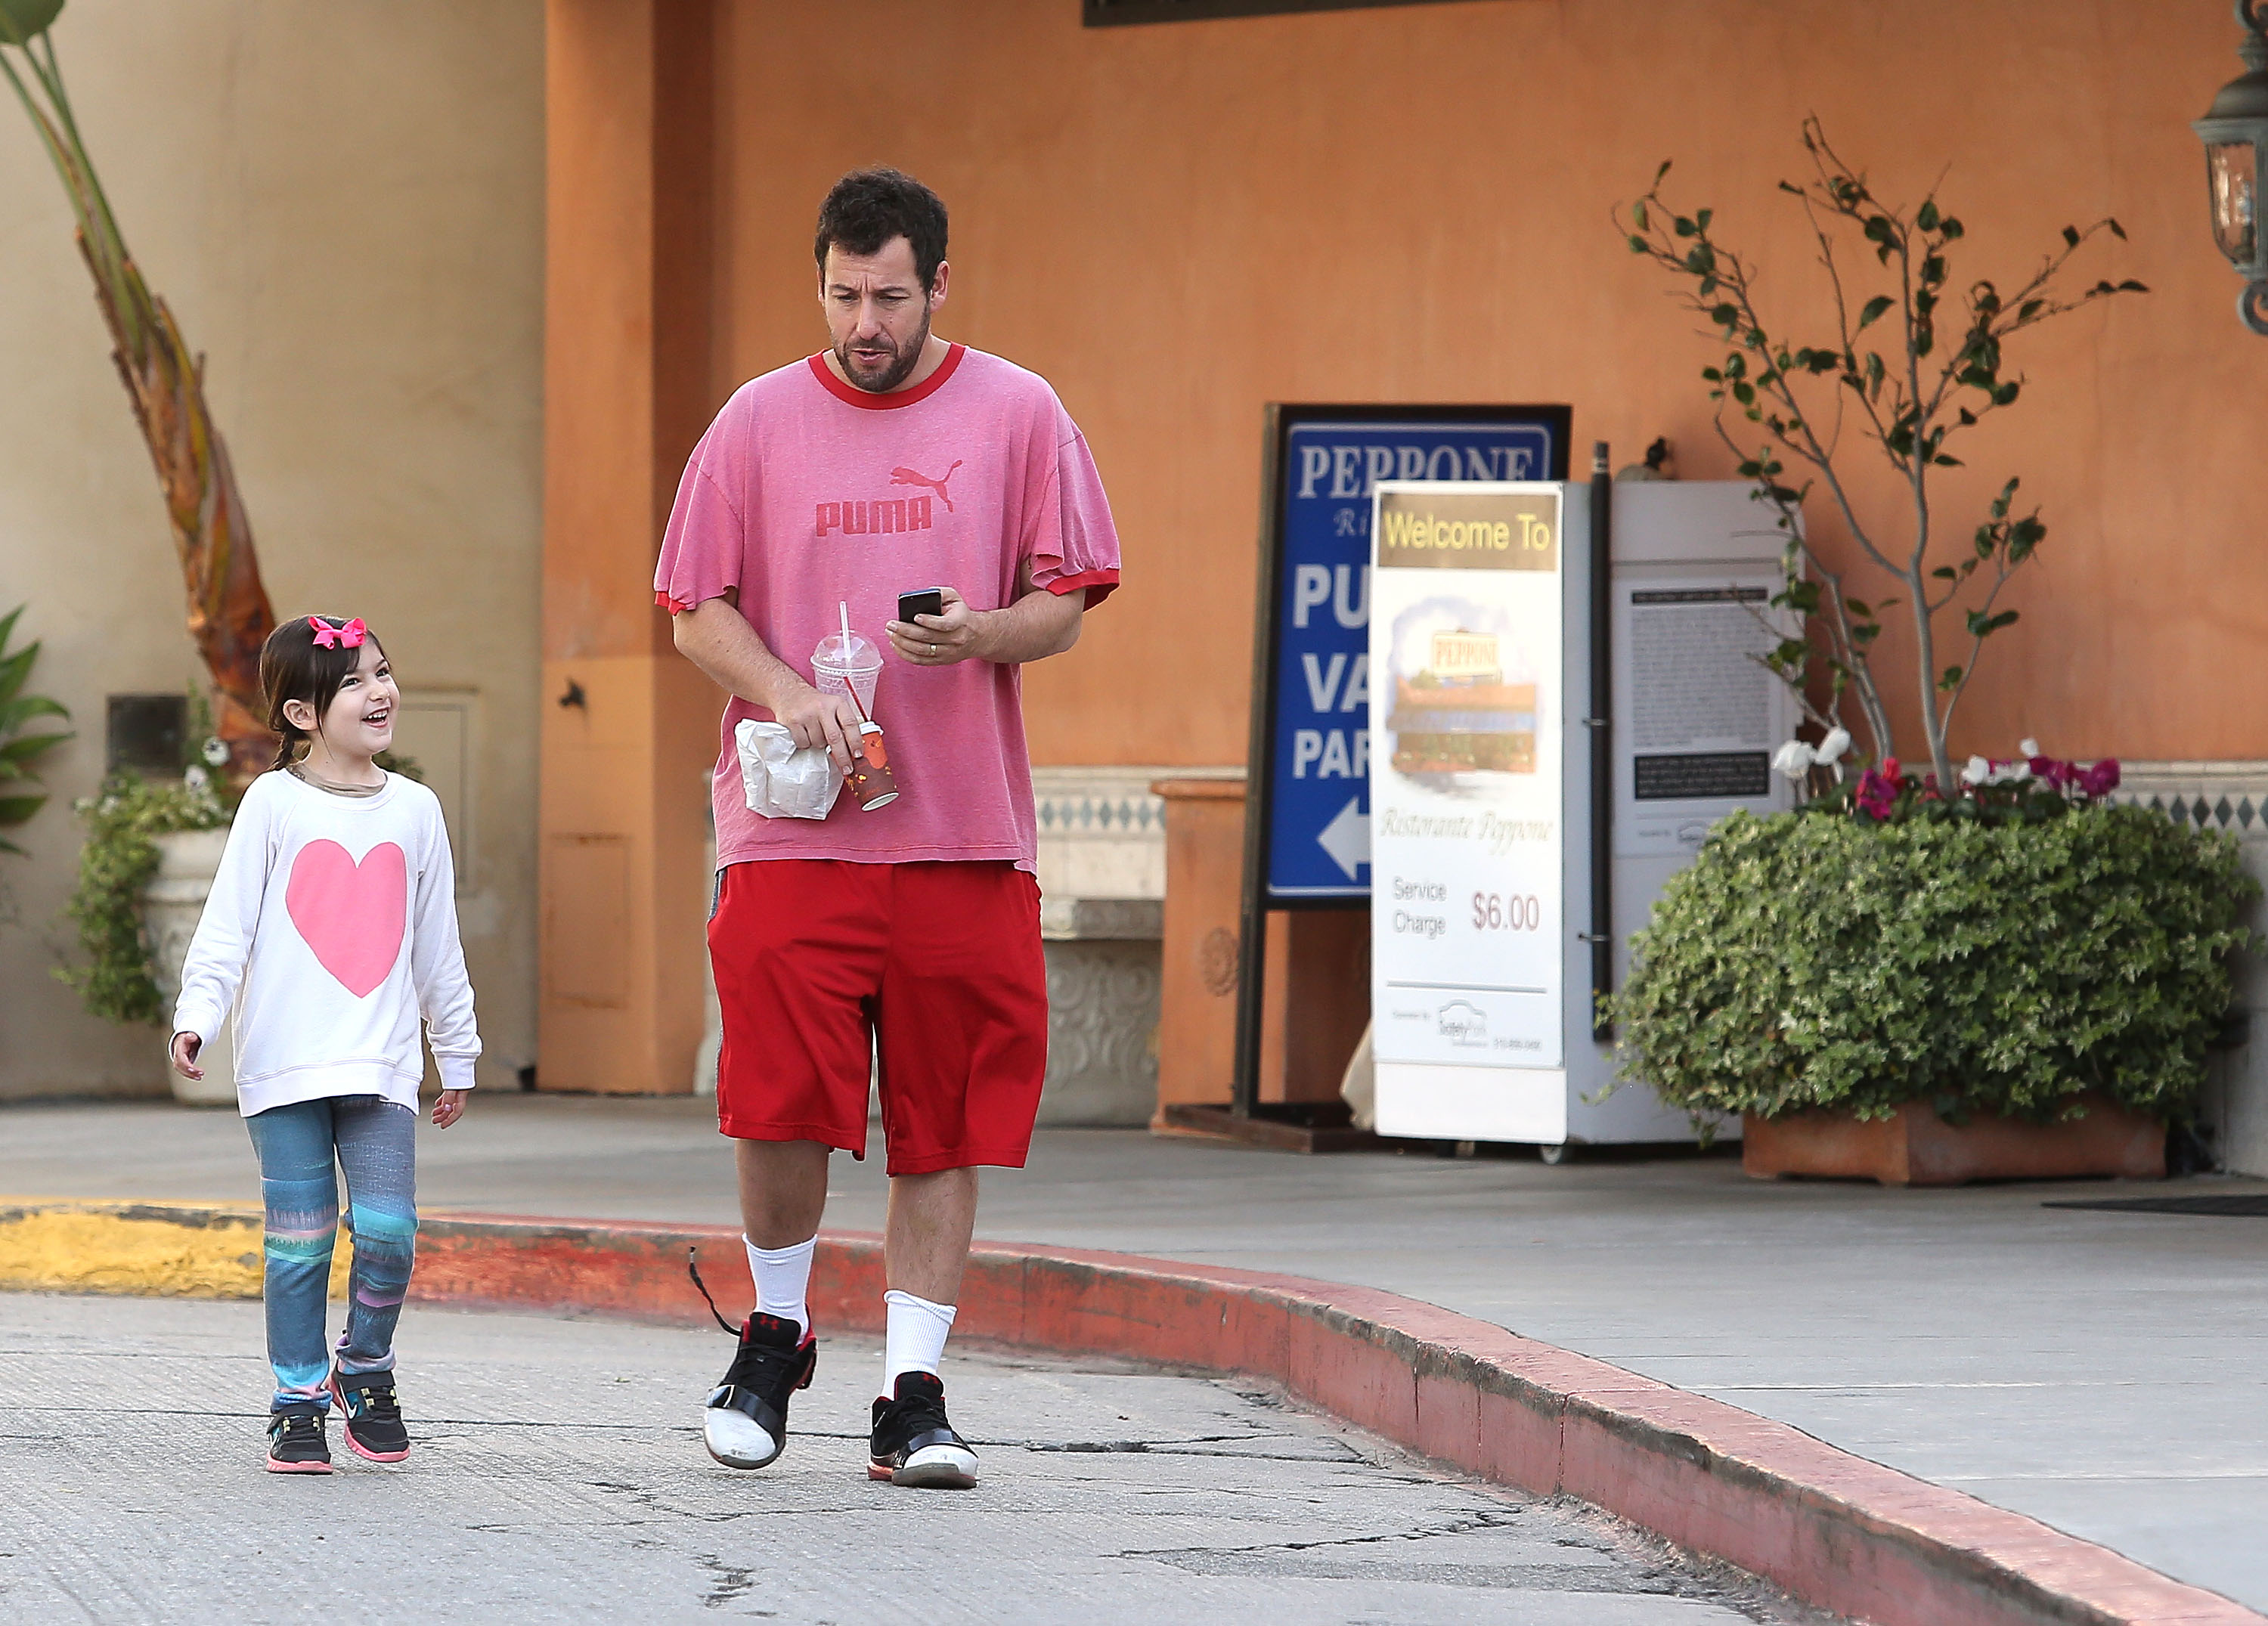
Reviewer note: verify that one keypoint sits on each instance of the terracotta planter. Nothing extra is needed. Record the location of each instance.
(1918, 1148)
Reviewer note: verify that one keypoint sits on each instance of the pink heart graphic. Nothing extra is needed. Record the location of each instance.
(350, 914)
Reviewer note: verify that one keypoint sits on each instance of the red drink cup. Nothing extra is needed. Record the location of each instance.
(870, 771)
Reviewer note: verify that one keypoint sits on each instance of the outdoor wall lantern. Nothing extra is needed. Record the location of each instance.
(2235, 131)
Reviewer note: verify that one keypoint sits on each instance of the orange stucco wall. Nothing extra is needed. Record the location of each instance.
(622, 821)
(1177, 224)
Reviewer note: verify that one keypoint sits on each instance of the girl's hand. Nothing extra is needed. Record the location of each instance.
(183, 1052)
(449, 1106)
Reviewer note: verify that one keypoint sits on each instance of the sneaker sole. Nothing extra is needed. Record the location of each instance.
(743, 1463)
(353, 1444)
(274, 1467)
(923, 1476)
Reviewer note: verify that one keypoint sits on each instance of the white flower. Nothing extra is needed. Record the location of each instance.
(2027, 748)
(195, 777)
(1978, 771)
(214, 751)
(1794, 759)
(2011, 773)
(1831, 748)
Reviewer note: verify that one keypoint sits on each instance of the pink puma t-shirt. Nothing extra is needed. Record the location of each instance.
(806, 492)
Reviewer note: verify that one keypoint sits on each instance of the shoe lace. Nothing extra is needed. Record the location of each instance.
(377, 1403)
(921, 1413)
(760, 1368)
(693, 1270)
(296, 1425)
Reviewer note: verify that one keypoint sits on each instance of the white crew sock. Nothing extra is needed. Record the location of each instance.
(914, 1339)
(783, 1277)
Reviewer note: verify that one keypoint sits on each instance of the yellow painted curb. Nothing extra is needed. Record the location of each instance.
(175, 1251)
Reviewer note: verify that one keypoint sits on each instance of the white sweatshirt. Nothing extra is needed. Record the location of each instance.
(337, 917)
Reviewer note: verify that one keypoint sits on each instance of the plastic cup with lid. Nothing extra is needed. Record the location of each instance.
(844, 662)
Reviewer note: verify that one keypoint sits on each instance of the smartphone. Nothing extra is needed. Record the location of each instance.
(928, 601)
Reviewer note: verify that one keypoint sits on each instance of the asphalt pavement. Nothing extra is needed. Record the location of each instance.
(557, 1473)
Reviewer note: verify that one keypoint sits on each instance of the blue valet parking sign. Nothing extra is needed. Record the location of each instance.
(1313, 744)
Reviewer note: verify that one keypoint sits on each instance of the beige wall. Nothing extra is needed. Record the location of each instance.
(1179, 223)
(344, 203)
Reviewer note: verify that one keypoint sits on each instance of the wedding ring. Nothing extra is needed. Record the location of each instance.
(933, 648)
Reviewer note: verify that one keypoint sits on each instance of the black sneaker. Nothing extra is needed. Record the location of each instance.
(914, 1445)
(295, 1440)
(746, 1423)
(374, 1418)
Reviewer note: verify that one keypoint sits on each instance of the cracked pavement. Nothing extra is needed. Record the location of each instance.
(557, 1474)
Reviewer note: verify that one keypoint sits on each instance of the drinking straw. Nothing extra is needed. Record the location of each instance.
(843, 605)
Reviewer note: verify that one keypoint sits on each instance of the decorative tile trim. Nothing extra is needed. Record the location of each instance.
(2221, 796)
(1077, 804)
(1102, 834)
(1087, 802)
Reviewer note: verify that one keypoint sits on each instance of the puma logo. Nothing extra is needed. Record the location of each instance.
(914, 477)
(884, 515)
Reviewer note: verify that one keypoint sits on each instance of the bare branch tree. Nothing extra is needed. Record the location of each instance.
(1910, 396)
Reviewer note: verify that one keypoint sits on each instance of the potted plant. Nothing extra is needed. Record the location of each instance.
(2020, 980)
(152, 848)
(1927, 974)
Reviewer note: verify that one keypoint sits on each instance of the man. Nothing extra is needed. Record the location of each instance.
(890, 462)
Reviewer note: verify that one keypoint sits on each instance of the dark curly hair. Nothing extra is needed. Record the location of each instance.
(868, 207)
(293, 666)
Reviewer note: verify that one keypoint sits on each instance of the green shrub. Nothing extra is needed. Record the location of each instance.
(1805, 961)
(118, 861)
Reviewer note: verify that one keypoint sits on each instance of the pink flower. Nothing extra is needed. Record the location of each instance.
(2100, 780)
(1877, 795)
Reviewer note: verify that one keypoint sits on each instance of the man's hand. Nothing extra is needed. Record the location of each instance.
(448, 1106)
(183, 1052)
(811, 718)
(940, 640)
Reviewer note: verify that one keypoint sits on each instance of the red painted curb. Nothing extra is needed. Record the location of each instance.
(1837, 1531)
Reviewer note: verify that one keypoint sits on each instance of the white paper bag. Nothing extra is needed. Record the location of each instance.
(781, 781)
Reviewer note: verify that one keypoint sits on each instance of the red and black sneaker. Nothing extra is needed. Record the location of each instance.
(296, 1442)
(913, 1444)
(373, 1418)
(745, 1424)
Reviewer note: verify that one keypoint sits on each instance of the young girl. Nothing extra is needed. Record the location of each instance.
(331, 929)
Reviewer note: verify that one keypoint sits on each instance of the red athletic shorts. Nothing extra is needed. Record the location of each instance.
(940, 963)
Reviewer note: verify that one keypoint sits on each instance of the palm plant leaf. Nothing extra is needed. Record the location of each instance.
(229, 614)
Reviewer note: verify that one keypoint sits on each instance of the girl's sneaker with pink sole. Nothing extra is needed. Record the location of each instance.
(296, 1442)
(373, 1418)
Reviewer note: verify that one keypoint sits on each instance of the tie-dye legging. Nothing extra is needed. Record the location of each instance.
(374, 1141)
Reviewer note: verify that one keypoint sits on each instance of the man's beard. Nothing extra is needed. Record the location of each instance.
(903, 364)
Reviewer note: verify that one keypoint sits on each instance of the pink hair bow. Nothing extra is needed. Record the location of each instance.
(348, 636)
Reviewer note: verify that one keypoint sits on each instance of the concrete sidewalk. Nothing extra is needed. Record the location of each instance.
(2089, 1368)
(557, 1473)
